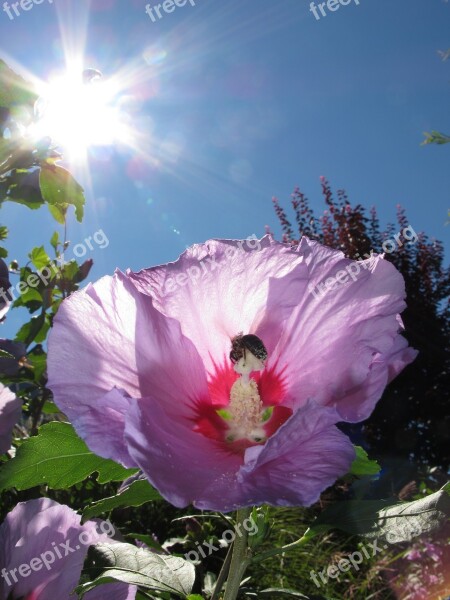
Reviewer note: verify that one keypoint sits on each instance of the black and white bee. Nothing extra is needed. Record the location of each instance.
(240, 343)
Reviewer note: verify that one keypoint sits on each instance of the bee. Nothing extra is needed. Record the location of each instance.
(240, 343)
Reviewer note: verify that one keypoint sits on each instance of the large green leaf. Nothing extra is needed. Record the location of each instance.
(136, 566)
(14, 90)
(59, 188)
(381, 519)
(138, 493)
(58, 458)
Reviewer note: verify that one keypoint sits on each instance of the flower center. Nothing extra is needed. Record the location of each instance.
(245, 414)
(245, 402)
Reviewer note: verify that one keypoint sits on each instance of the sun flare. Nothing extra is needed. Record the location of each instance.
(81, 109)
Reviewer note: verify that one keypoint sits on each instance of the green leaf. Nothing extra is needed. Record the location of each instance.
(260, 526)
(57, 457)
(29, 295)
(54, 240)
(42, 333)
(31, 299)
(69, 270)
(38, 360)
(58, 212)
(362, 465)
(50, 408)
(138, 493)
(31, 330)
(24, 188)
(435, 137)
(194, 597)
(136, 566)
(59, 188)
(394, 523)
(39, 257)
(14, 90)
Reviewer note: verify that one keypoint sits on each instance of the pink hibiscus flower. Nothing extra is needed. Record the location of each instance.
(42, 551)
(222, 377)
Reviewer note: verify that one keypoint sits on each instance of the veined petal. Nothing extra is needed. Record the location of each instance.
(111, 345)
(222, 287)
(340, 348)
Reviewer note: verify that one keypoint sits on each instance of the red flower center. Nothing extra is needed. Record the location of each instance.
(242, 412)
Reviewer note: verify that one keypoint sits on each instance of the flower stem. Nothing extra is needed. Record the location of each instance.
(240, 558)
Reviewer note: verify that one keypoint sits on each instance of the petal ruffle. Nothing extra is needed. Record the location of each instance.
(305, 456)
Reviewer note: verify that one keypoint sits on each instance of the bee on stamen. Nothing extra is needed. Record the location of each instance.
(240, 343)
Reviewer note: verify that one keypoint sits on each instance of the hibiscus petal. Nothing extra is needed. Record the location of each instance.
(342, 348)
(110, 336)
(304, 457)
(10, 409)
(222, 287)
(183, 465)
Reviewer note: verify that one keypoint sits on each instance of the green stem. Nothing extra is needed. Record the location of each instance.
(240, 558)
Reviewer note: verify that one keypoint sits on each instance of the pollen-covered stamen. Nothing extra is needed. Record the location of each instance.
(245, 413)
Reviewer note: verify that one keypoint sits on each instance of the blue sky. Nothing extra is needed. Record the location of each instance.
(237, 101)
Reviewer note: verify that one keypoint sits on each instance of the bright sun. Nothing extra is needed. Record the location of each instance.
(79, 110)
